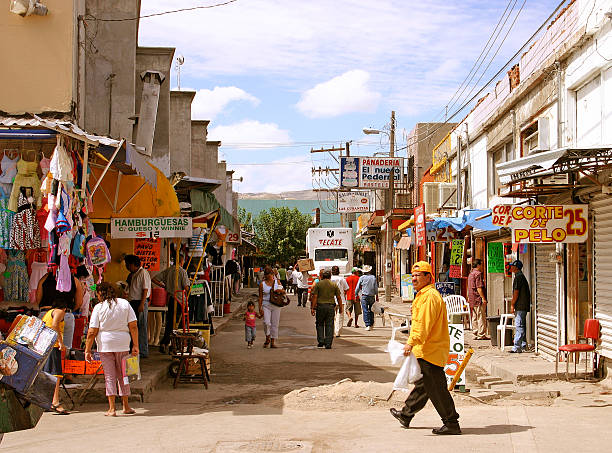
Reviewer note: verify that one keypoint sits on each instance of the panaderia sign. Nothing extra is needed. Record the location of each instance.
(369, 172)
(544, 224)
(151, 227)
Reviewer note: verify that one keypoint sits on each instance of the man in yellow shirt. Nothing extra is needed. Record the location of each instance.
(429, 342)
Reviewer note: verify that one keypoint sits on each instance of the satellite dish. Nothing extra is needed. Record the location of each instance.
(180, 60)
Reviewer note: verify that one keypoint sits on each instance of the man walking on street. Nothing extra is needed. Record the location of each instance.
(368, 286)
(353, 305)
(429, 341)
(139, 282)
(323, 297)
(343, 287)
(167, 279)
(300, 279)
(478, 301)
(521, 304)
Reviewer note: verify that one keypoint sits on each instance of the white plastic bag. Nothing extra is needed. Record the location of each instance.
(377, 308)
(395, 350)
(409, 373)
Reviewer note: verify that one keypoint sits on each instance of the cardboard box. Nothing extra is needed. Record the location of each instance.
(19, 366)
(306, 264)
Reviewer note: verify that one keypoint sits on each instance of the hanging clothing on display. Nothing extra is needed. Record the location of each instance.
(17, 287)
(38, 270)
(6, 220)
(61, 163)
(27, 176)
(25, 234)
(8, 167)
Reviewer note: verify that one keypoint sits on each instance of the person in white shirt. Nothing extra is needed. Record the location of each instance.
(343, 286)
(289, 279)
(112, 324)
(300, 279)
(139, 282)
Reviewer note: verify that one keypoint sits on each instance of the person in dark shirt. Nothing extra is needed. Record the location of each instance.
(521, 304)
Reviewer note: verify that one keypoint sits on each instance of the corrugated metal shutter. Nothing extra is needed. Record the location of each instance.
(602, 246)
(547, 317)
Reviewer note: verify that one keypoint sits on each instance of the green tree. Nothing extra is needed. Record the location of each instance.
(245, 218)
(280, 233)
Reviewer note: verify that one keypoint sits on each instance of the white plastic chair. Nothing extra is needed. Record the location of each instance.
(505, 323)
(396, 320)
(457, 305)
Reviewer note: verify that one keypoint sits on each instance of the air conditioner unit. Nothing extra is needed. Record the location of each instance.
(448, 195)
(403, 200)
(539, 140)
(431, 197)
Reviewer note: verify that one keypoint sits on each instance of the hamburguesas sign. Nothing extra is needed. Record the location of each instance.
(151, 227)
(544, 223)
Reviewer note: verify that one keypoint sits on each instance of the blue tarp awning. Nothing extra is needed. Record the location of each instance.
(469, 218)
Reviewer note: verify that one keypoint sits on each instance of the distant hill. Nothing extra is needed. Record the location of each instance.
(294, 195)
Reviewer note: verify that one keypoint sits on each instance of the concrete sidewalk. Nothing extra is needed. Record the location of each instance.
(154, 369)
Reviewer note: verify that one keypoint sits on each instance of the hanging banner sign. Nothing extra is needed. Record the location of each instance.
(446, 234)
(456, 353)
(495, 258)
(419, 224)
(456, 259)
(151, 227)
(369, 172)
(501, 215)
(355, 201)
(545, 224)
(149, 252)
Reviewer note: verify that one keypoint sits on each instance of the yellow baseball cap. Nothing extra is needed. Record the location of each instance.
(422, 266)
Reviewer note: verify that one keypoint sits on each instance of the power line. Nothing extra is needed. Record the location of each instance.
(166, 12)
(469, 101)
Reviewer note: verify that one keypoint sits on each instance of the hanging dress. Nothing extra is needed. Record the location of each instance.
(8, 167)
(27, 176)
(25, 234)
(17, 285)
(6, 220)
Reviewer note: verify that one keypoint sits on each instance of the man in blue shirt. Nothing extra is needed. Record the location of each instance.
(368, 286)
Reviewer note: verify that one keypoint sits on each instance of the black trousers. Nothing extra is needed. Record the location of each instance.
(170, 316)
(432, 386)
(325, 314)
(302, 294)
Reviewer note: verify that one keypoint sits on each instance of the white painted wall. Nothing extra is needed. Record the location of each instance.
(479, 168)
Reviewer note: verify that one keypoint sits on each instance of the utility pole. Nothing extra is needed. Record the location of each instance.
(388, 275)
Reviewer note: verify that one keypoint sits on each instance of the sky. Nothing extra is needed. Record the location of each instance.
(277, 78)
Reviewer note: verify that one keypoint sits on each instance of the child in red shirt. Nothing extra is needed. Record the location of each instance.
(249, 327)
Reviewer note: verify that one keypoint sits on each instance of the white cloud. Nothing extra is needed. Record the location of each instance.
(347, 93)
(207, 104)
(290, 173)
(396, 42)
(249, 132)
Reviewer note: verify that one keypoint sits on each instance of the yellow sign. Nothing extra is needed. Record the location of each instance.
(549, 224)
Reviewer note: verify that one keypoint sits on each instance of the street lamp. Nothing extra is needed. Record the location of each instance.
(387, 276)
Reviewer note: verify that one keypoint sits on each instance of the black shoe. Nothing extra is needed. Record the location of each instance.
(320, 346)
(404, 421)
(447, 430)
(328, 347)
(515, 351)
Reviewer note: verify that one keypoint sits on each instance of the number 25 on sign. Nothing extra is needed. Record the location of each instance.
(549, 224)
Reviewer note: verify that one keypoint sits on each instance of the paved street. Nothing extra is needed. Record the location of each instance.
(280, 400)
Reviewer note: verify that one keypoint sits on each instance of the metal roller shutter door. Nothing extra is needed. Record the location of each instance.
(545, 295)
(602, 246)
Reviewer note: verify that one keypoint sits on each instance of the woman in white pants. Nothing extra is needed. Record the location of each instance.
(270, 312)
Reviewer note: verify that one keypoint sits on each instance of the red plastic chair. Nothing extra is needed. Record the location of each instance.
(591, 332)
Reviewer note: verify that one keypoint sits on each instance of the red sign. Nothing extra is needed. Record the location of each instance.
(149, 252)
(419, 222)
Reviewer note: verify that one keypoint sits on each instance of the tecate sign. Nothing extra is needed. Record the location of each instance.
(369, 172)
(356, 201)
(151, 227)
